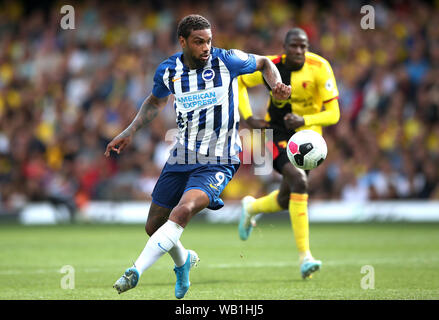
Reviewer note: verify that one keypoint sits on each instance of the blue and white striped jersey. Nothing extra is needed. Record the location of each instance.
(206, 102)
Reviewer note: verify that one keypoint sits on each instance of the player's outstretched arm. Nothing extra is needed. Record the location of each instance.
(272, 76)
(149, 110)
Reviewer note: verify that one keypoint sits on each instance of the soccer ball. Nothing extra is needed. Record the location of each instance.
(306, 149)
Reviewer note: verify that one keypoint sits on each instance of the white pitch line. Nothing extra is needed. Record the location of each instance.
(274, 264)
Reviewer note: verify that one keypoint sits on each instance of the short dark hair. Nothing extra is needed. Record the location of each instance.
(190, 23)
(295, 32)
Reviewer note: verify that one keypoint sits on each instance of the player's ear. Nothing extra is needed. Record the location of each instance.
(183, 42)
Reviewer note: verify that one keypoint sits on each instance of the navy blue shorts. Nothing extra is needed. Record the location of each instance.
(177, 179)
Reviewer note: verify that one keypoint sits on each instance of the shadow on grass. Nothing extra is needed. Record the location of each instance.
(237, 283)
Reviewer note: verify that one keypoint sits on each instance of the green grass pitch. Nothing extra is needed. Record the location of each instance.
(404, 257)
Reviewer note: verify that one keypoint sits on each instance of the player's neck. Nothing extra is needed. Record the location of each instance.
(293, 66)
(187, 60)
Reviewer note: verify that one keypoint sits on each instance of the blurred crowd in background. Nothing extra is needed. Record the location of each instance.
(64, 94)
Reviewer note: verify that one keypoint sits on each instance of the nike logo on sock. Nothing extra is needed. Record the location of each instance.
(162, 247)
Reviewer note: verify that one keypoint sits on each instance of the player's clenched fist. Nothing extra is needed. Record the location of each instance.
(293, 121)
(117, 144)
(281, 91)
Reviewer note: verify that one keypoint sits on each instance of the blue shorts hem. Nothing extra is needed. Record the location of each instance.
(213, 205)
(202, 189)
(161, 204)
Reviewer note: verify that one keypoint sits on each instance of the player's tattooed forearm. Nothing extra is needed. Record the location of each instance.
(146, 114)
(271, 73)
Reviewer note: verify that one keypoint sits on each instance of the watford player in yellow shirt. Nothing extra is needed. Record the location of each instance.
(312, 104)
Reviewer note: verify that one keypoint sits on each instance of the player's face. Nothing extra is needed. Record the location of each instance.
(197, 47)
(295, 48)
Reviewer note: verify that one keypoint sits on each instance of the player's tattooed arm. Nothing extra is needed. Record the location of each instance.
(148, 111)
(272, 76)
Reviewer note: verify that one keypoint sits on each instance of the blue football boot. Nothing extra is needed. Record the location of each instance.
(127, 281)
(309, 266)
(246, 221)
(182, 285)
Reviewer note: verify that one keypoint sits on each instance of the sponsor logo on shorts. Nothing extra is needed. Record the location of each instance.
(211, 185)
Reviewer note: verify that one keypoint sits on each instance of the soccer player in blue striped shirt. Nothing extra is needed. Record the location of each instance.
(203, 80)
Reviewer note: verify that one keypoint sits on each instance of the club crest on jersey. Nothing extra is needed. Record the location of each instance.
(305, 84)
(208, 74)
(329, 85)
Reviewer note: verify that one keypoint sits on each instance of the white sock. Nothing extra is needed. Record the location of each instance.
(178, 254)
(163, 240)
(305, 256)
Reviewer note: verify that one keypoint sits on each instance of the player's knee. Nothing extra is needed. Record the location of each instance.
(182, 214)
(185, 209)
(301, 185)
(298, 181)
